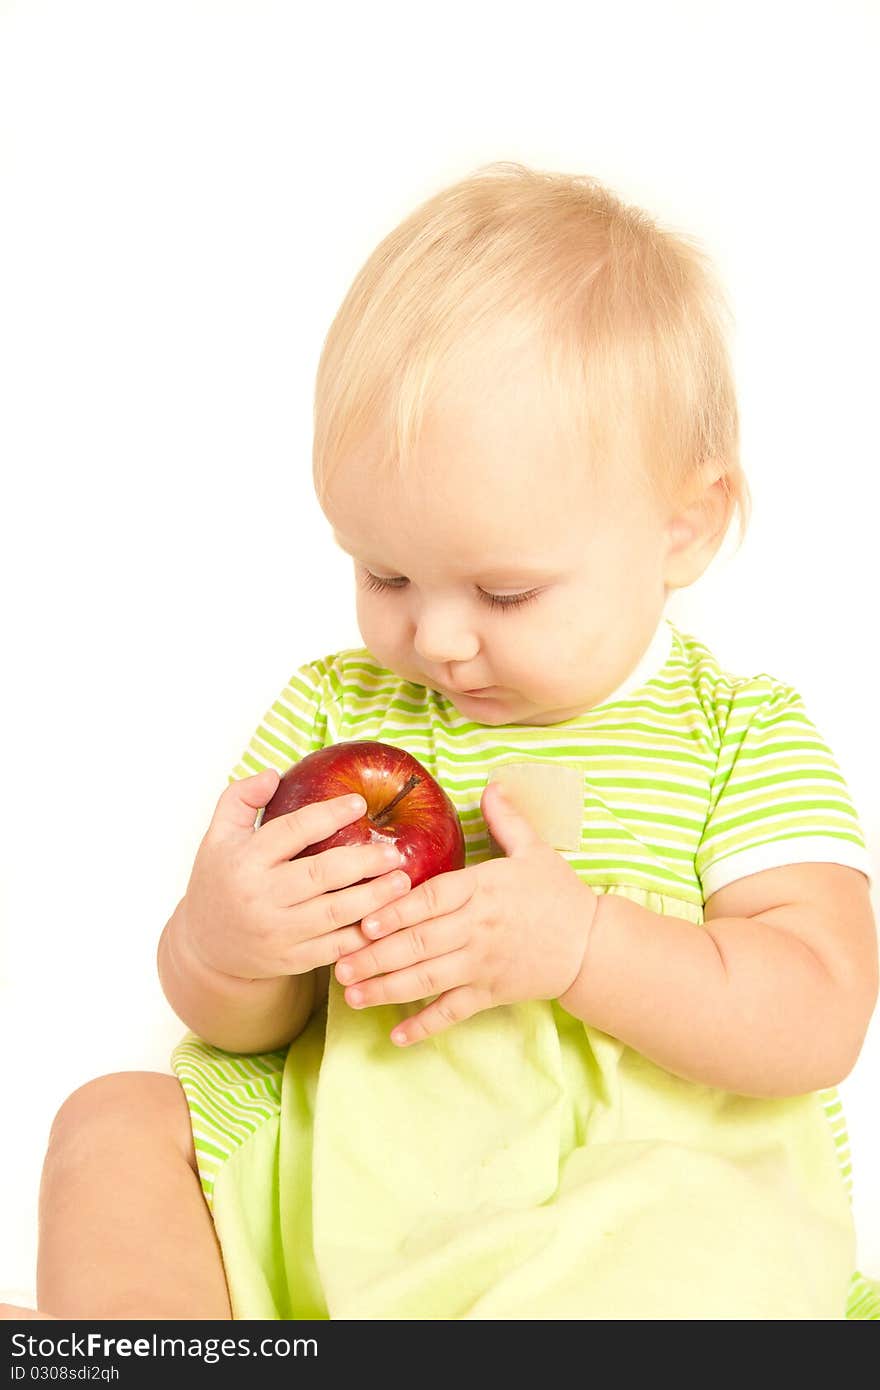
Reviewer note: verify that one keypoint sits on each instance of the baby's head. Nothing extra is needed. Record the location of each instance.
(526, 435)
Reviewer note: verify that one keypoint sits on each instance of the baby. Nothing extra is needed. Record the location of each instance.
(565, 1081)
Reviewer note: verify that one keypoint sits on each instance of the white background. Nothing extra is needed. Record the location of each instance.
(187, 191)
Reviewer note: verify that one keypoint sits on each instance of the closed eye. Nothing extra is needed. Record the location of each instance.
(373, 582)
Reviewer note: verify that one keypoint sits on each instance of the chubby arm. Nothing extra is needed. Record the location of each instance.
(771, 997)
(236, 1015)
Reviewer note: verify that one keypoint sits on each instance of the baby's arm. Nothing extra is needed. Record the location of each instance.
(235, 1014)
(771, 997)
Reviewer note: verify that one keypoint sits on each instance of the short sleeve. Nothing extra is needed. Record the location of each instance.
(778, 796)
(299, 721)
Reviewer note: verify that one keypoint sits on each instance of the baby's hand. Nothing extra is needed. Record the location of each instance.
(251, 913)
(494, 933)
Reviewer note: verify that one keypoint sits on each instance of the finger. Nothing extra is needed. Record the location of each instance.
(332, 869)
(234, 814)
(420, 981)
(512, 831)
(324, 949)
(452, 1007)
(283, 838)
(330, 911)
(322, 931)
(434, 898)
(403, 949)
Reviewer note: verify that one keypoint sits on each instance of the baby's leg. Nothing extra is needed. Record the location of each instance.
(124, 1230)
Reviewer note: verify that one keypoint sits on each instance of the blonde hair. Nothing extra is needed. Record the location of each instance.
(630, 316)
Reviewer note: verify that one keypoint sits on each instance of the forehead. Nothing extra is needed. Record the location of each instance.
(450, 522)
(495, 480)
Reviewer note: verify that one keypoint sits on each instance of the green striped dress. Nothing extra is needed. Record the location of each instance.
(521, 1164)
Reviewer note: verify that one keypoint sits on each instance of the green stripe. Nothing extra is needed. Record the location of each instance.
(812, 774)
(780, 808)
(841, 838)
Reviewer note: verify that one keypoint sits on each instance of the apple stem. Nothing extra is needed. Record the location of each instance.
(383, 815)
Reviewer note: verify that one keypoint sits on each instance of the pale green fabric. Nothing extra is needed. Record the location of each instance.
(519, 1165)
(522, 1164)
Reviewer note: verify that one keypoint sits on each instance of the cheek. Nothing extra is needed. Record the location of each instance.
(366, 617)
(553, 650)
(522, 654)
(382, 630)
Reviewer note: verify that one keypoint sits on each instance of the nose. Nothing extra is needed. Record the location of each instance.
(442, 635)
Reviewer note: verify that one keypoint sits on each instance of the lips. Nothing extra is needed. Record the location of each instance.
(454, 690)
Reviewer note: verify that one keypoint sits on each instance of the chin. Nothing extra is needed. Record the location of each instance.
(488, 711)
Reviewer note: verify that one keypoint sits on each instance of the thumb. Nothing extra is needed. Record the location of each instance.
(511, 830)
(242, 798)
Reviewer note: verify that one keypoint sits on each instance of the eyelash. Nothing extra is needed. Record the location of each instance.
(372, 581)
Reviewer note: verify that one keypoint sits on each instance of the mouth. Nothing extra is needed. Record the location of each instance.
(455, 692)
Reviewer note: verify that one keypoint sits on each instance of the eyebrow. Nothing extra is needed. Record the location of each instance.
(521, 574)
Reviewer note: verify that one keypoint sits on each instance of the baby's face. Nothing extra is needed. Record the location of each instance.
(496, 571)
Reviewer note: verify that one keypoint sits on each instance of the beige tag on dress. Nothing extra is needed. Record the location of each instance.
(551, 797)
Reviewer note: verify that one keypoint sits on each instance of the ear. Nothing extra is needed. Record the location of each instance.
(696, 528)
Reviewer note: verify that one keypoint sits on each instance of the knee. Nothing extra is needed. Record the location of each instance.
(120, 1107)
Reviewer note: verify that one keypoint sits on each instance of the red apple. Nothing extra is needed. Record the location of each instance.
(406, 806)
